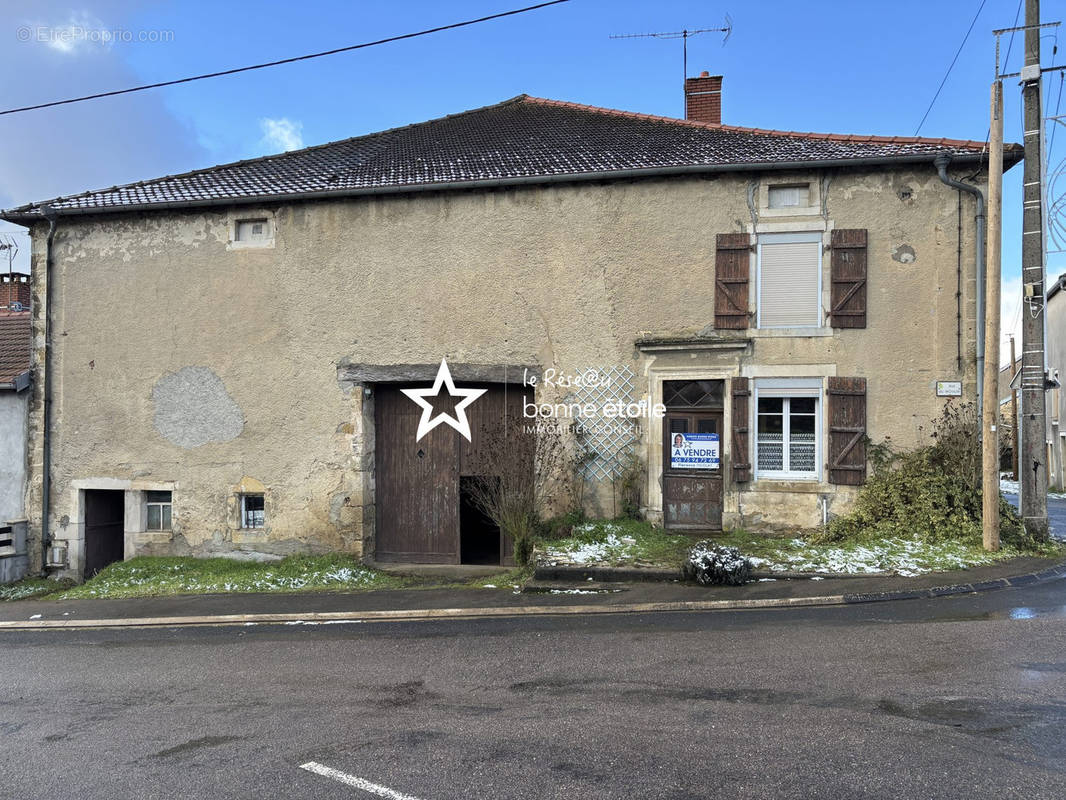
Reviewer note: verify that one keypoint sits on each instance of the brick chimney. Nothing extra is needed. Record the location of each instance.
(703, 98)
(14, 288)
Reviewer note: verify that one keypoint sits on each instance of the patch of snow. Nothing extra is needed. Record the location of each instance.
(1014, 487)
(584, 591)
(36, 616)
(488, 586)
(906, 557)
(611, 548)
(324, 622)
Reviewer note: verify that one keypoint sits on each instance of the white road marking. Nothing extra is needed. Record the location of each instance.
(355, 782)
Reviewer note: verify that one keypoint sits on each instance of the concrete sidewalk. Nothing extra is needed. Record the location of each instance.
(588, 597)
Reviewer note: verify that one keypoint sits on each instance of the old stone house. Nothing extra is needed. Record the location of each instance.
(220, 356)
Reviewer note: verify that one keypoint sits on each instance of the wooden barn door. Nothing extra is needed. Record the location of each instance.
(417, 485)
(421, 510)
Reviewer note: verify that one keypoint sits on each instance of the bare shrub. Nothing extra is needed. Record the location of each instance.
(525, 479)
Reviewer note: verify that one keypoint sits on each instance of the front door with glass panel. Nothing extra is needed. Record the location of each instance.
(692, 473)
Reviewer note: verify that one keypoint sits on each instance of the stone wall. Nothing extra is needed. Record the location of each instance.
(182, 361)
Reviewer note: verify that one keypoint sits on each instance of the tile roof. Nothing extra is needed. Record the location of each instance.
(14, 345)
(524, 139)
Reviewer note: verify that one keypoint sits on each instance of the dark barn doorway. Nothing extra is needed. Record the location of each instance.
(479, 536)
(105, 511)
(423, 514)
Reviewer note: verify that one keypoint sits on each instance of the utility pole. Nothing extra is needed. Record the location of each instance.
(1014, 413)
(990, 409)
(1033, 468)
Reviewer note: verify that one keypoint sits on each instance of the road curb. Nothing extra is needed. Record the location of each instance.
(429, 614)
(569, 572)
(1056, 571)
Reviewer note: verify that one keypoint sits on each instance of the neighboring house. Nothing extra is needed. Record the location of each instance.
(1055, 347)
(229, 346)
(15, 348)
(1056, 397)
(1008, 414)
(1007, 375)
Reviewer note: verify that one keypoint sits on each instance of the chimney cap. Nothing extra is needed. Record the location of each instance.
(705, 74)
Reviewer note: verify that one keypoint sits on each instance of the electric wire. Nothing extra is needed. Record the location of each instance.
(279, 62)
(947, 74)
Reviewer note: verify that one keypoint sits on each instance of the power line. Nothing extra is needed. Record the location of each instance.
(951, 67)
(284, 60)
(1055, 127)
(1010, 44)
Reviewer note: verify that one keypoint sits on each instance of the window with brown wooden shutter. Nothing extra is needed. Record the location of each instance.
(847, 431)
(740, 452)
(731, 268)
(847, 302)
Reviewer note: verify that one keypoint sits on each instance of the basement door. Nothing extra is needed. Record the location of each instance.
(104, 518)
(424, 515)
(692, 497)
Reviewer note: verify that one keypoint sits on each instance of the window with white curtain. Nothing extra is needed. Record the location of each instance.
(789, 196)
(787, 428)
(790, 280)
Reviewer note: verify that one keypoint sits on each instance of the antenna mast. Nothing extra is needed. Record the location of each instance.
(683, 35)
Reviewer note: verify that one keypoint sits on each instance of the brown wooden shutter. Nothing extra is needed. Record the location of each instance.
(847, 431)
(847, 301)
(741, 449)
(731, 268)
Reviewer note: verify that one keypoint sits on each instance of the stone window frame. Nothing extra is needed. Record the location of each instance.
(255, 244)
(814, 196)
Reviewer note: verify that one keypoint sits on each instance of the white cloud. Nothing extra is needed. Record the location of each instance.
(281, 134)
(80, 31)
(99, 143)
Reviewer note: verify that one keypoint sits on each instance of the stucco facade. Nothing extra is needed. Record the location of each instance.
(13, 415)
(185, 363)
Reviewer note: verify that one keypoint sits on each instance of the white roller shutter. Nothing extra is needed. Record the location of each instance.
(789, 280)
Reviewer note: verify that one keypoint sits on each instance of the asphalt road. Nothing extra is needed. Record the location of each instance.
(1056, 514)
(961, 697)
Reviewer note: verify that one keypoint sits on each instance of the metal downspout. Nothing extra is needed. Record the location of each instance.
(941, 162)
(46, 434)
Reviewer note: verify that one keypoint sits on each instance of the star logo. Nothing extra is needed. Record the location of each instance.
(428, 421)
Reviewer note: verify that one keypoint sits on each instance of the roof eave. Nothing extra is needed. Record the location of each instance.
(19, 383)
(28, 218)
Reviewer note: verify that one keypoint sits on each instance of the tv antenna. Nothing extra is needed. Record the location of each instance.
(10, 248)
(683, 35)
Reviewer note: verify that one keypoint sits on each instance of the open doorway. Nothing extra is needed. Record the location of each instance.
(479, 536)
(104, 539)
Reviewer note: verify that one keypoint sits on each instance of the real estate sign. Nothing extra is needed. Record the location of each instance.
(694, 451)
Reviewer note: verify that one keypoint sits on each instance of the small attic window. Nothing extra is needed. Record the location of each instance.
(792, 195)
(253, 231)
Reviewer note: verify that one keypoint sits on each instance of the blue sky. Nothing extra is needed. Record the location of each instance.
(825, 66)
